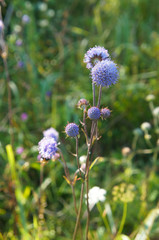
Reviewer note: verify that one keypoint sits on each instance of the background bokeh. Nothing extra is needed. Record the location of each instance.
(48, 77)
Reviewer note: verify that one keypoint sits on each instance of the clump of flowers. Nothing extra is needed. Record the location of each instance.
(94, 113)
(72, 130)
(95, 195)
(47, 148)
(124, 192)
(105, 73)
(94, 55)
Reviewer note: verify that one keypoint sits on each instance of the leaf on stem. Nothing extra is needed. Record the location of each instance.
(101, 159)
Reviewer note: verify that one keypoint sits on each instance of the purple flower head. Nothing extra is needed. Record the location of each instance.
(72, 130)
(105, 113)
(51, 132)
(1, 26)
(24, 116)
(19, 150)
(19, 42)
(94, 113)
(47, 147)
(94, 55)
(105, 73)
(25, 19)
(48, 93)
(82, 103)
(20, 64)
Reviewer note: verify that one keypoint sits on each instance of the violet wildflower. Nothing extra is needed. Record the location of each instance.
(105, 73)
(47, 148)
(51, 132)
(94, 55)
(24, 116)
(48, 93)
(105, 113)
(20, 64)
(19, 42)
(25, 19)
(94, 113)
(72, 129)
(19, 150)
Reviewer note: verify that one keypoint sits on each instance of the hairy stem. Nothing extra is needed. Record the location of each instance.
(87, 175)
(65, 165)
(94, 96)
(79, 212)
(99, 96)
(77, 158)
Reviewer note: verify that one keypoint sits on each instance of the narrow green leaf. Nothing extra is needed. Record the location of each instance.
(145, 229)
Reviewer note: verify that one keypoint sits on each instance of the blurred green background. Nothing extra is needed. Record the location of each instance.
(48, 77)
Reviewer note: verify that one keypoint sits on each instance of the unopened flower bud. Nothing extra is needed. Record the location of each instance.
(150, 97)
(125, 151)
(82, 103)
(145, 126)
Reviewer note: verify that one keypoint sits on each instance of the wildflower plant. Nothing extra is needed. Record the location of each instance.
(104, 73)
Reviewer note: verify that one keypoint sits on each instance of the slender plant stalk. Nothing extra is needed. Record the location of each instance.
(94, 95)
(40, 216)
(85, 127)
(76, 210)
(99, 96)
(5, 63)
(87, 175)
(104, 218)
(65, 165)
(79, 212)
(77, 155)
(123, 219)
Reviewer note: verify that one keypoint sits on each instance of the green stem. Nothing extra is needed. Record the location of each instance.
(103, 217)
(123, 219)
(79, 212)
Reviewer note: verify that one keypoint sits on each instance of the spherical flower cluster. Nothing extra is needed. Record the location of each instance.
(82, 103)
(105, 113)
(94, 55)
(150, 97)
(125, 151)
(145, 126)
(105, 73)
(19, 150)
(24, 116)
(51, 132)
(94, 113)
(137, 132)
(47, 147)
(19, 42)
(72, 130)
(25, 19)
(95, 195)
(123, 192)
(156, 112)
